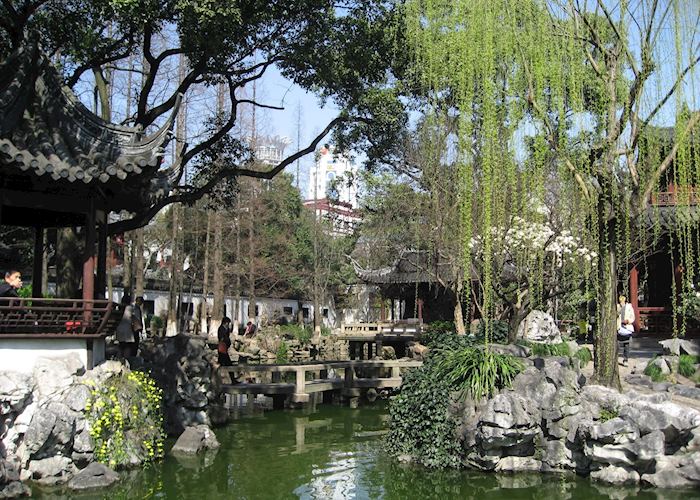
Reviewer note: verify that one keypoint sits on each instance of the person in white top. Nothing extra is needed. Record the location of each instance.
(625, 327)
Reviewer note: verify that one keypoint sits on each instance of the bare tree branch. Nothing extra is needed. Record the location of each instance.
(694, 119)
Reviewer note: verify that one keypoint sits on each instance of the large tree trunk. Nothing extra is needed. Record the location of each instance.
(605, 343)
(139, 263)
(127, 267)
(251, 263)
(175, 270)
(519, 312)
(204, 305)
(217, 263)
(237, 267)
(459, 316)
(68, 263)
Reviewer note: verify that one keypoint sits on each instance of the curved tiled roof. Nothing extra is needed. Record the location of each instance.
(45, 130)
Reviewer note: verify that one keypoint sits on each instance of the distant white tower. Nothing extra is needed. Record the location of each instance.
(328, 167)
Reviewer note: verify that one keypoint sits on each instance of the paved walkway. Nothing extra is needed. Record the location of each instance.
(642, 350)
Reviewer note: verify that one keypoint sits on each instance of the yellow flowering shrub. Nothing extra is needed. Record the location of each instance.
(126, 420)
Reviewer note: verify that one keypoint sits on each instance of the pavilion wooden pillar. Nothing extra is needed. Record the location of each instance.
(89, 263)
(634, 295)
(101, 278)
(420, 310)
(38, 267)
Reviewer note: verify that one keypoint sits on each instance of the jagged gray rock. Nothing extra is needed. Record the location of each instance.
(547, 421)
(616, 475)
(675, 471)
(95, 475)
(183, 366)
(195, 439)
(538, 326)
(52, 470)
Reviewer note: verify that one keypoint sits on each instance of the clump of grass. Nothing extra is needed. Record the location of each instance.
(653, 371)
(477, 372)
(686, 365)
(584, 355)
(608, 414)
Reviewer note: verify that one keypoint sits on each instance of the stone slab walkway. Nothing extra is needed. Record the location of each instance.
(642, 350)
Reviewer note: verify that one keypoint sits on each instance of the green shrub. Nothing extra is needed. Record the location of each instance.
(686, 365)
(499, 331)
(478, 372)
(653, 371)
(282, 355)
(301, 333)
(156, 322)
(584, 355)
(125, 417)
(435, 332)
(450, 341)
(420, 421)
(561, 349)
(326, 331)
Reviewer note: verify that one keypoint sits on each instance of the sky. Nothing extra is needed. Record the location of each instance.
(278, 91)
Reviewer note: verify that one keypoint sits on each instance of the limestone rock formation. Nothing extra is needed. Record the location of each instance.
(550, 421)
(95, 475)
(538, 326)
(195, 439)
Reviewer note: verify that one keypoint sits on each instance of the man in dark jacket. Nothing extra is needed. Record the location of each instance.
(12, 283)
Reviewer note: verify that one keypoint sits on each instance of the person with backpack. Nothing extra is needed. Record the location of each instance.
(625, 327)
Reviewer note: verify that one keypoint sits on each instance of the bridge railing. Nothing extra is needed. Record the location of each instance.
(320, 382)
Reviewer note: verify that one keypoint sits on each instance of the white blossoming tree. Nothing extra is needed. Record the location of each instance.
(537, 263)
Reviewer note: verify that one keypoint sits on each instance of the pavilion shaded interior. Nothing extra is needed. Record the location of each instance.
(63, 166)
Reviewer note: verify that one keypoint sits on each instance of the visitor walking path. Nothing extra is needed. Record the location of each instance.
(642, 350)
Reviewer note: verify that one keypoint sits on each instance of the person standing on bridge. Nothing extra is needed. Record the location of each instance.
(224, 335)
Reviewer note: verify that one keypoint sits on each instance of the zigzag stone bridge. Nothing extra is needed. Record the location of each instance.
(311, 379)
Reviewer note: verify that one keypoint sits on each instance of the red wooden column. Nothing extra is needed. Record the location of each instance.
(89, 264)
(634, 295)
(101, 279)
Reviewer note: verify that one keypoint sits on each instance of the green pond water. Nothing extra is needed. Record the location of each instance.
(331, 452)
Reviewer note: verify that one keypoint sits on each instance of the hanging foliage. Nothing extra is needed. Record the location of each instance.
(591, 97)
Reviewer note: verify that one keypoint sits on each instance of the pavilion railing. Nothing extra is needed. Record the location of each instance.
(690, 196)
(57, 317)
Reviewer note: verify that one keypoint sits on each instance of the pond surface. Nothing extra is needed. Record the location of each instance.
(332, 453)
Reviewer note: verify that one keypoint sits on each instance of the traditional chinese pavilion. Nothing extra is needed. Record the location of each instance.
(63, 166)
(415, 286)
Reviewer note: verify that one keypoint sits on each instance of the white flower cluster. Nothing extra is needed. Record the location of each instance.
(529, 238)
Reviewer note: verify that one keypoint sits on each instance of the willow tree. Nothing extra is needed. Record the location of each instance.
(587, 81)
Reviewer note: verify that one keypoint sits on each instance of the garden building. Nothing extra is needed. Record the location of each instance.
(63, 166)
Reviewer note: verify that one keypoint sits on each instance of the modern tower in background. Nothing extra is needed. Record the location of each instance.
(332, 190)
(334, 176)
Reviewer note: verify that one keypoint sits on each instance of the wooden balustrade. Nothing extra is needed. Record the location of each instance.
(21, 317)
(690, 196)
